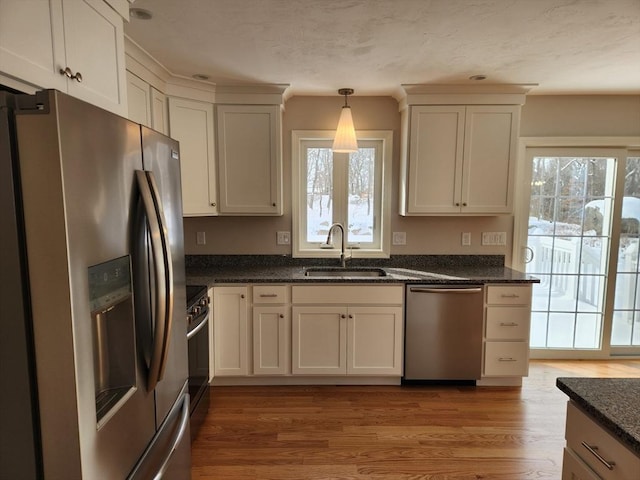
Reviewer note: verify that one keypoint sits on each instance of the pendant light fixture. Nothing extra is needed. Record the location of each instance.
(345, 141)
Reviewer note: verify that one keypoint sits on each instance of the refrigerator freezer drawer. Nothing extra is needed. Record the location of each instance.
(169, 453)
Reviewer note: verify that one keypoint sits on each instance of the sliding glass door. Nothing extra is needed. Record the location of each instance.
(582, 239)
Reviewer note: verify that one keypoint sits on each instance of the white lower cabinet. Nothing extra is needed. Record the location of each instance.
(271, 330)
(230, 331)
(347, 330)
(319, 340)
(593, 453)
(506, 335)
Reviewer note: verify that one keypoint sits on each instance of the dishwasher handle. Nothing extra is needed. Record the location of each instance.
(444, 290)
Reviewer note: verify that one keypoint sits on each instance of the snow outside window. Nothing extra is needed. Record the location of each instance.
(351, 189)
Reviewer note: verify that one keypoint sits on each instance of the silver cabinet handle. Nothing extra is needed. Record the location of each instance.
(268, 295)
(69, 74)
(510, 295)
(508, 324)
(594, 452)
(507, 359)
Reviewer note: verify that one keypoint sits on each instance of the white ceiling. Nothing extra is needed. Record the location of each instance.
(374, 46)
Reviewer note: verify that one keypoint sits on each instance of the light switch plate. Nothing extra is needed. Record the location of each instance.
(283, 238)
(466, 238)
(201, 238)
(494, 238)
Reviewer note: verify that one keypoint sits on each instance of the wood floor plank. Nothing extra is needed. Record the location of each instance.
(391, 432)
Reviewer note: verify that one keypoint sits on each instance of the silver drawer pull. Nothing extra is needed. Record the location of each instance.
(507, 359)
(593, 451)
(268, 295)
(509, 324)
(509, 295)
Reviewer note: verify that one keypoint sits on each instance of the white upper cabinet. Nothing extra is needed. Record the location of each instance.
(461, 159)
(159, 113)
(459, 151)
(249, 159)
(191, 123)
(147, 105)
(41, 40)
(138, 100)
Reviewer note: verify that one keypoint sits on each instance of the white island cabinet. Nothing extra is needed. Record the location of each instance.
(592, 453)
(75, 46)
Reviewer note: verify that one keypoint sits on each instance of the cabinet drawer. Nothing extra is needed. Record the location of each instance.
(270, 294)
(575, 469)
(583, 433)
(509, 294)
(506, 359)
(348, 294)
(508, 323)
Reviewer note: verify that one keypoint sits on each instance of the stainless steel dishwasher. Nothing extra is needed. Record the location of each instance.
(443, 333)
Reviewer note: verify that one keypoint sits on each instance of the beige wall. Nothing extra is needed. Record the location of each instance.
(541, 116)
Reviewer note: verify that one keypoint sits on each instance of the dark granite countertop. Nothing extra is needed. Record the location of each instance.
(613, 402)
(438, 269)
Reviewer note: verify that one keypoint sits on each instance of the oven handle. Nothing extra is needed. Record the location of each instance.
(199, 326)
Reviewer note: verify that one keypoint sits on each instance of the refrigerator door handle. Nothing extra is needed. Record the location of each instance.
(163, 273)
(184, 422)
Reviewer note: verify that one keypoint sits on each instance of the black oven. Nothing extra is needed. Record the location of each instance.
(198, 341)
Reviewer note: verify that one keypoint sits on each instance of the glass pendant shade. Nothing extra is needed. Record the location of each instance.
(345, 141)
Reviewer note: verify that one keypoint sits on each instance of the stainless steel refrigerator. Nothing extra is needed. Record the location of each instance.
(93, 318)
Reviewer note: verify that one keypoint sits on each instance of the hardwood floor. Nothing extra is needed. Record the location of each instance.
(434, 432)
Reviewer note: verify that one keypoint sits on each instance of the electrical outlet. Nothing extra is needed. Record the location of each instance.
(466, 238)
(283, 238)
(399, 238)
(201, 238)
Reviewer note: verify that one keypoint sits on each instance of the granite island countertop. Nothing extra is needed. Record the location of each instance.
(209, 270)
(612, 402)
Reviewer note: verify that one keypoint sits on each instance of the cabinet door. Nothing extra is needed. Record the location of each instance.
(159, 116)
(32, 42)
(490, 143)
(139, 100)
(39, 38)
(319, 340)
(191, 123)
(435, 159)
(374, 345)
(94, 46)
(249, 159)
(271, 342)
(230, 331)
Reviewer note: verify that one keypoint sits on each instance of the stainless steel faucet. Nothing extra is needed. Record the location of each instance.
(343, 259)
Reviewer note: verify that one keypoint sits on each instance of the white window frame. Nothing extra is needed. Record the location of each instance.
(298, 195)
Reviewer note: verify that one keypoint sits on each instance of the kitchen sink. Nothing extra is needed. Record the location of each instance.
(344, 272)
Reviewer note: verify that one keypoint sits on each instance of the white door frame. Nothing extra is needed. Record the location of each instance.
(521, 214)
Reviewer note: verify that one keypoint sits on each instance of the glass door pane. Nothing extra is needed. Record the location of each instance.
(569, 232)
(625, 330)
